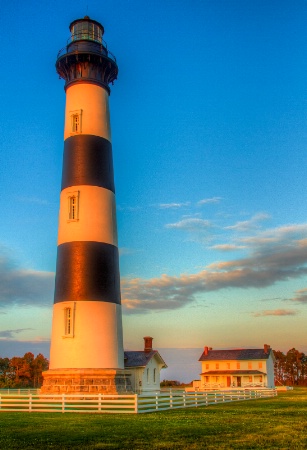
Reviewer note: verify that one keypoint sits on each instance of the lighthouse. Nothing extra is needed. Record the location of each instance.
(87, 340)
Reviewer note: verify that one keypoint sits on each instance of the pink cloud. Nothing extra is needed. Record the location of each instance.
(276, 312)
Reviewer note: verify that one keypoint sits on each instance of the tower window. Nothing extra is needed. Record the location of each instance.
(76, 121)
(73, 206)
(68, 322)
(154, 375)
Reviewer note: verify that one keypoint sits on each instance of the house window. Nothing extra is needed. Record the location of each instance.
(260, 364)
(250, 379)
(207, 366)
(217, 366)
(76, 121)
(228, 365)
(238, 365)
(73, 206)
(250, 366)
(154, 375)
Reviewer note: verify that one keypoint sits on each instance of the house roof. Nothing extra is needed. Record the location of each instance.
(142, 358)
(236, 354)
(233, 372)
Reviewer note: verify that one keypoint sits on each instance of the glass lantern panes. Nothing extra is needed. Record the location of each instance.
(86, 30)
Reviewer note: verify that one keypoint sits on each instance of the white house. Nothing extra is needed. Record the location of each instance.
(237, 368)
(144, 367)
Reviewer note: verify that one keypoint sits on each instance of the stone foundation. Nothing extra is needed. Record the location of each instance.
(86, 381)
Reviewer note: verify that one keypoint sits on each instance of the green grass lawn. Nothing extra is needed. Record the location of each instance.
(274, 423)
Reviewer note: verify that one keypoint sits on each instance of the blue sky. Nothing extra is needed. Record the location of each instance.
(209, 132)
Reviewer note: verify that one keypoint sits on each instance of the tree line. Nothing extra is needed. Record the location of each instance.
(22, 372)
(290, 368)
(26, 371)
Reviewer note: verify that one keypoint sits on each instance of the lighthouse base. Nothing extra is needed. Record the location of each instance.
(86, 381)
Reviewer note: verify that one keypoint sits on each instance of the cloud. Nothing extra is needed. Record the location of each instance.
(128, 208)
(191, 224)
(11, 347)
(228, 247)
(301, 296)
(173, 205)
(248, 225)
(273, 256)
(205, 201)
(265, 265)
(8, 334)
(276, 312)
(126, 251)
(200, 230)
(23, 286)
(36, 200)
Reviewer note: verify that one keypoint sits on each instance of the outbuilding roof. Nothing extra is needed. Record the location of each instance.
(142, 358)
(236, 354)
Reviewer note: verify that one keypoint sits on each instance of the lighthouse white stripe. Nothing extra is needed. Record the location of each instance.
(92, 102)
(97, 340)
(96, 216)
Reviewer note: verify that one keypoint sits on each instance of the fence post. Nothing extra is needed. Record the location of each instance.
(157, 401)
(196, 398)
(30, 402)
(170, 399)
(0, 400)
(184, 402)
(99, 401)
(63, 403)
(136, 400)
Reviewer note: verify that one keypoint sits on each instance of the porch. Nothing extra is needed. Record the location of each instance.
(215, 379)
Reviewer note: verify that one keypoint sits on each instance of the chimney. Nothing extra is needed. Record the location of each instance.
(210, 348)
(147, 344)
(206, 350)
(266, 348)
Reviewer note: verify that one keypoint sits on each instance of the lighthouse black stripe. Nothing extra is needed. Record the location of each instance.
(88, 160)
(87, 271)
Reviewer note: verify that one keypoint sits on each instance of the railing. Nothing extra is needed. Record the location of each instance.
(102, 50)
(101, 403)
(223, 386)
(20, 391)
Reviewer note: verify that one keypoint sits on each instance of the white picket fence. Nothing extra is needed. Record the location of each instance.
(100, 403)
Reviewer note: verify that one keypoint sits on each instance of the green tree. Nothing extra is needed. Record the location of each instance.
(4, 370)
(39, 365)
(294, 366)
(280, 367)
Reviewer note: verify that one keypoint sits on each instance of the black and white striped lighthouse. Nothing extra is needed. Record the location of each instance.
(87, 340)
